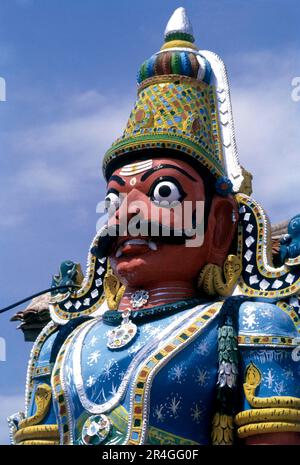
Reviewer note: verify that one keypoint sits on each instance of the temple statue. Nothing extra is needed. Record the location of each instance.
(174, 335)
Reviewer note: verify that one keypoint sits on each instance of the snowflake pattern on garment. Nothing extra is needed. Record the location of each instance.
(100, 396)
(109, 369)
(174, 405)
(90, 381)
(266, 312)
(114, 390)
(288, 373)
(151, 331)
(197, 411)
(277, 374)
(135, 348)
(249, 309)
(158, 413)
(93, 342)
(177, 373)
(202, 348)
(201, 376)
(94, 357)
(104, 371)
(279, 388)
(269, 378)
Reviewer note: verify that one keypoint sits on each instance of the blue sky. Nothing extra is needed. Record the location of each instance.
(70, 68)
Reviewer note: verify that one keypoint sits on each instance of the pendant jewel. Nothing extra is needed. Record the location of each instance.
(123, 334)
(139, 298)
(95, 429)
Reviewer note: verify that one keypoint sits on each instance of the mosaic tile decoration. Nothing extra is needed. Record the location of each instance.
(259, 277)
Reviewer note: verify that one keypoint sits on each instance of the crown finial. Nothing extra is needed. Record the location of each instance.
(179, 26)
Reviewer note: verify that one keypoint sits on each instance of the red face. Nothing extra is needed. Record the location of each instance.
(150, 186)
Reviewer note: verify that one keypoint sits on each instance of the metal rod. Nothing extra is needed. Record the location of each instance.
(16, 304)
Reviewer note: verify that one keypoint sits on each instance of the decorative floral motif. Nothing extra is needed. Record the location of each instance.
(223, 186)
(250, 321)
(94, 357)
(139, 298)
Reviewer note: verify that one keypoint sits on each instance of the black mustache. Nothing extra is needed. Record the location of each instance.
(165, 234)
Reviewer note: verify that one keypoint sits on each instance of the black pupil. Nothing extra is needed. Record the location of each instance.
(164, 191)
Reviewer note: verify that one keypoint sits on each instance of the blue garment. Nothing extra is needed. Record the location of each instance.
(181, 399)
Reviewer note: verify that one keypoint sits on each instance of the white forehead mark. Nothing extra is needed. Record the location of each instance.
(136, 168)
(132, 182)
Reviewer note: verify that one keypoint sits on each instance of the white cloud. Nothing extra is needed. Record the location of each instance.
(267, 123)
(56, 161)
(69, 147)
(9, 404)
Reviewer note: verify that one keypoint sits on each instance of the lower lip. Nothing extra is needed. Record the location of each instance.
(134, 249)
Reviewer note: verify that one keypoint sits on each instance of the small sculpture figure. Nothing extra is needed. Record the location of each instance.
(290, 243)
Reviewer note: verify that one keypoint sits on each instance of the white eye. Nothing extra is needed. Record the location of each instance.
(112, 200)
(166, 192)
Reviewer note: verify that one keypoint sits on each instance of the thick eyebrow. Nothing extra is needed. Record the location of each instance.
(117, 179)
(159, 167)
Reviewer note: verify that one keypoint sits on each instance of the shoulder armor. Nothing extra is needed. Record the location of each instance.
(262, 318)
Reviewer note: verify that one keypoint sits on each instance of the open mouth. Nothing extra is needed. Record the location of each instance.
(134, 246)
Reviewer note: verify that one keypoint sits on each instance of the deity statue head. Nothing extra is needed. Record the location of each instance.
(173, 152)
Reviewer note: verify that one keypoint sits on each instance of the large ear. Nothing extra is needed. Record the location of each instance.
(222, 223)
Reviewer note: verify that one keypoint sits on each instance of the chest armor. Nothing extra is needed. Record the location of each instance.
(158, 389)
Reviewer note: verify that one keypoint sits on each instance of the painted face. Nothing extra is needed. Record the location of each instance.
(149, 188)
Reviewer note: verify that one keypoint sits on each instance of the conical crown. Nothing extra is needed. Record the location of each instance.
(177, 107)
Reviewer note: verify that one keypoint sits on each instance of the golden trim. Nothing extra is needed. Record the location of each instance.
(179, 44)
(262, 428)
(266, 414)
(290, 311)
(167, 78)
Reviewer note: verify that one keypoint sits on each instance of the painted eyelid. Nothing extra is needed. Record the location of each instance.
(167, 178)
